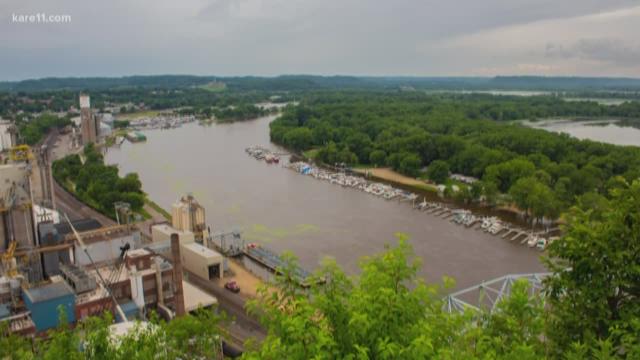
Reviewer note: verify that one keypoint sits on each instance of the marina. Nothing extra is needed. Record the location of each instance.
(160, 121)
(491, 225)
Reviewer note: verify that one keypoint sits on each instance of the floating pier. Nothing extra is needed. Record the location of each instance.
(272, 262)
(510, 232)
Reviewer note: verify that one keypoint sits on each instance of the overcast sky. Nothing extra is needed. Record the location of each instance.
(349, 37)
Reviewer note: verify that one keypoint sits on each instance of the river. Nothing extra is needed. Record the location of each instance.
(605, 130)
(312, 218)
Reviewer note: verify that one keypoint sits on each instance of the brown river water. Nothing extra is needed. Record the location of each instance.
(314, 219)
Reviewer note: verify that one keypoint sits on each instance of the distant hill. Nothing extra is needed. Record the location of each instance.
(312, 82)
(101, 83)
(564, 83)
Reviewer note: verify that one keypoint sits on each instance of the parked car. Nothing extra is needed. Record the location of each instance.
(232, 286)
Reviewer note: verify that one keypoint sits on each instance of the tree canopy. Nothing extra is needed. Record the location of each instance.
(97, 184)
(472, 134)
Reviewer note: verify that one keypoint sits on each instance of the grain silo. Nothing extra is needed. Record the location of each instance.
(188, 215)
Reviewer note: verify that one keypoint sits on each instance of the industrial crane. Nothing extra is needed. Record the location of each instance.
(9, 260)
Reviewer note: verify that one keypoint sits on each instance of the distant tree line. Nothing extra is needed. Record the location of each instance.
(189, 100)
(543, 172)
(313, 82)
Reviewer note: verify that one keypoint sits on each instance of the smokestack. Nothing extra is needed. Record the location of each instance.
(177, 275)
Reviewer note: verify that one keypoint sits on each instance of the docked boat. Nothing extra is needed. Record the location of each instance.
(542, 244)
(495, 228)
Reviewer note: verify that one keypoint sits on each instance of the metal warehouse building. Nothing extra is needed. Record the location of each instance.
(202, 261)
(44, 302)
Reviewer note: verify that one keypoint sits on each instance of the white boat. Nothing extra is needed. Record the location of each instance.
(422, 205)
(532, 240)
(495, 228)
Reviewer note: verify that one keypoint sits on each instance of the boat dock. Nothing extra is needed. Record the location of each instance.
(490, 225)
(267, 264)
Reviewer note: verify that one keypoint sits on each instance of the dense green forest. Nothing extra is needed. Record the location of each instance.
(468, 134)
(97, 184)
(589, 309)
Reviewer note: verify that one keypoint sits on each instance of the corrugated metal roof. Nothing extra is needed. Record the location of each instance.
(202, 250)
(80, 226)
(47, 292)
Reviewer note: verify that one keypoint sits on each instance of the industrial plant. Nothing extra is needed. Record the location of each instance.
(90, 264)
(60, 255)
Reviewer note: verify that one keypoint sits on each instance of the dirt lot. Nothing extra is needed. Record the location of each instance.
(390, 175)
(247, 281)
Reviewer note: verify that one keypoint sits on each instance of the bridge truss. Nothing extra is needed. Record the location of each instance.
(487, 295)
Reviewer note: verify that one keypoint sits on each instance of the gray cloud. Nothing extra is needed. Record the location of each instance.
(268, 37)
(607, 50)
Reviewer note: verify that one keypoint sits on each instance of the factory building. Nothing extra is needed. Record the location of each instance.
(16, 232)
(188, 215)
(49, 236)
(146, 280)
(196, 258)
(105, 244)
(78, 278)
(101, 241)
(89, 125)
(16, 217)
(202, 261)
(8, 135)
(45, 301)
(140, 278)
(161, 233)
(140, 281)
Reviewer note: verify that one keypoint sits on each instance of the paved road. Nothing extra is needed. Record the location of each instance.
(243, 326)
(75, 209)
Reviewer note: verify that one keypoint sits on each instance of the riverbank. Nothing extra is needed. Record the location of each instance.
(615, 131)
(389, 175)
(507, 211)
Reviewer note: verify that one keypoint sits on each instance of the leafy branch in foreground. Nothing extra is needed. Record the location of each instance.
(388, 313)
(595, 292)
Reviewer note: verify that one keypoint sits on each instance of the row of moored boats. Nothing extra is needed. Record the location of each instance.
(491, 225)
(488, 224)
(384, 191)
